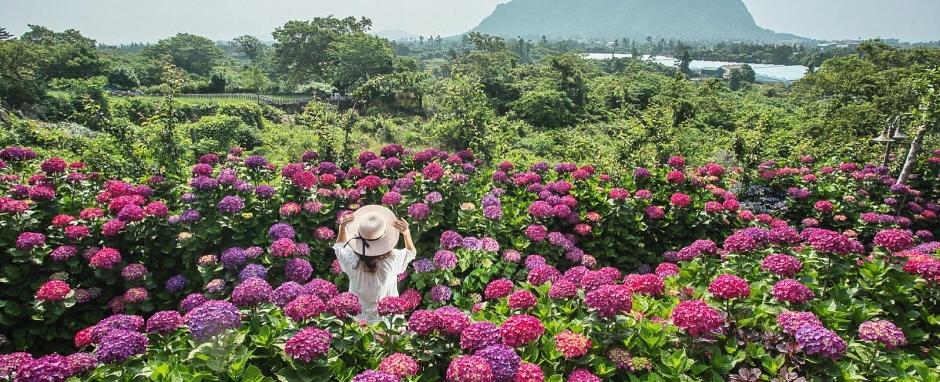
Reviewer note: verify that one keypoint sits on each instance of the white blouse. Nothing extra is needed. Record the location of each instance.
(372, 286)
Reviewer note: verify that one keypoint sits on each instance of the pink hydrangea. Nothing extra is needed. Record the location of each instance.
(582, 375)
(609, 300)
(894, 240)
(728, 286)
(498, 288)
(529, 372)
(522, 299)
(792, 291)
(883, 332)
(781, 264)
(53, 290)
(469, 368)
(648, 284)
(400, 365)
(696, 318)
(521, 329)
(790, 321)
(572, 345)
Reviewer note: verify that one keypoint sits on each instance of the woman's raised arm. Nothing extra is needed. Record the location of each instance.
(341, 235)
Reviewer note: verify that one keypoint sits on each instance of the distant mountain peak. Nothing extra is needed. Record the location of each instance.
(636, 19)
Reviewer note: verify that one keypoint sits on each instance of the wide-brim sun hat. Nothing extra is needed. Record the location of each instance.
(371, 232)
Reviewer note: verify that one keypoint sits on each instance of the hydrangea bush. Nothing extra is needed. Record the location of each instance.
(525, 272)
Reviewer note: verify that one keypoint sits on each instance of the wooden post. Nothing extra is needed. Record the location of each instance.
(912, 154)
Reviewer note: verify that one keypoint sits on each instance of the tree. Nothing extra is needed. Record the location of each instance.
(572, 74)
(736, 79)
(547, 108)
(465, 114)
(685, 58)
(250, 46)
(301, 48)
(65, 54)
(358, 57)
(748, 74)
(20, 78)
(4, 35)
(192, 53)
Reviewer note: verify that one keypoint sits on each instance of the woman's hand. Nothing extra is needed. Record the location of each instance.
(345, 219)
(402, 226)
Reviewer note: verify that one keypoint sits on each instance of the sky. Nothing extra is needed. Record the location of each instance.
(121, 21)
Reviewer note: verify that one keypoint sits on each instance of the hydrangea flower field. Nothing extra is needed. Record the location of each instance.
(525, 272)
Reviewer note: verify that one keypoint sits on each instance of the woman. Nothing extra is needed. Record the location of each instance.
(365, 247)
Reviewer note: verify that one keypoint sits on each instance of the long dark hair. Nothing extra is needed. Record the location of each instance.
(371, 262)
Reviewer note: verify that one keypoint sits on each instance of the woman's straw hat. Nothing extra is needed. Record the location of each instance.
(371, 232)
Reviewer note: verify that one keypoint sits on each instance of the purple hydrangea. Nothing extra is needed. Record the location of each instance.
(451, 240)
(816, 339)
(212, 318)
(176, 283)
(423, 265)
(191, 301)
(281, 231)
(286, 292)
(164, 321)
(231, 204)
(375, 376)
(298, 270)
(445, 260)
(52, 367)
(440, 293)
(233, 258)
(253, 270)
(252, 291)
(119, 345)
(503, 361)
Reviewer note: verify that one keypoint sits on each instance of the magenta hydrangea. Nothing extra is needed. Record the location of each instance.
(894, 240)
(309, 344)
(790, 321)
(479, 335)
(304, 307)
(164, 322)
(696, 318)
(252, 291)
(522, 299)
(648, 284)
(469, 368)
(781, 265)
(424, 322)
(344, 305)
(498, 288)
(609, 300)
(521, 329)
(792, 291)
(728, 286)
(582, 375)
